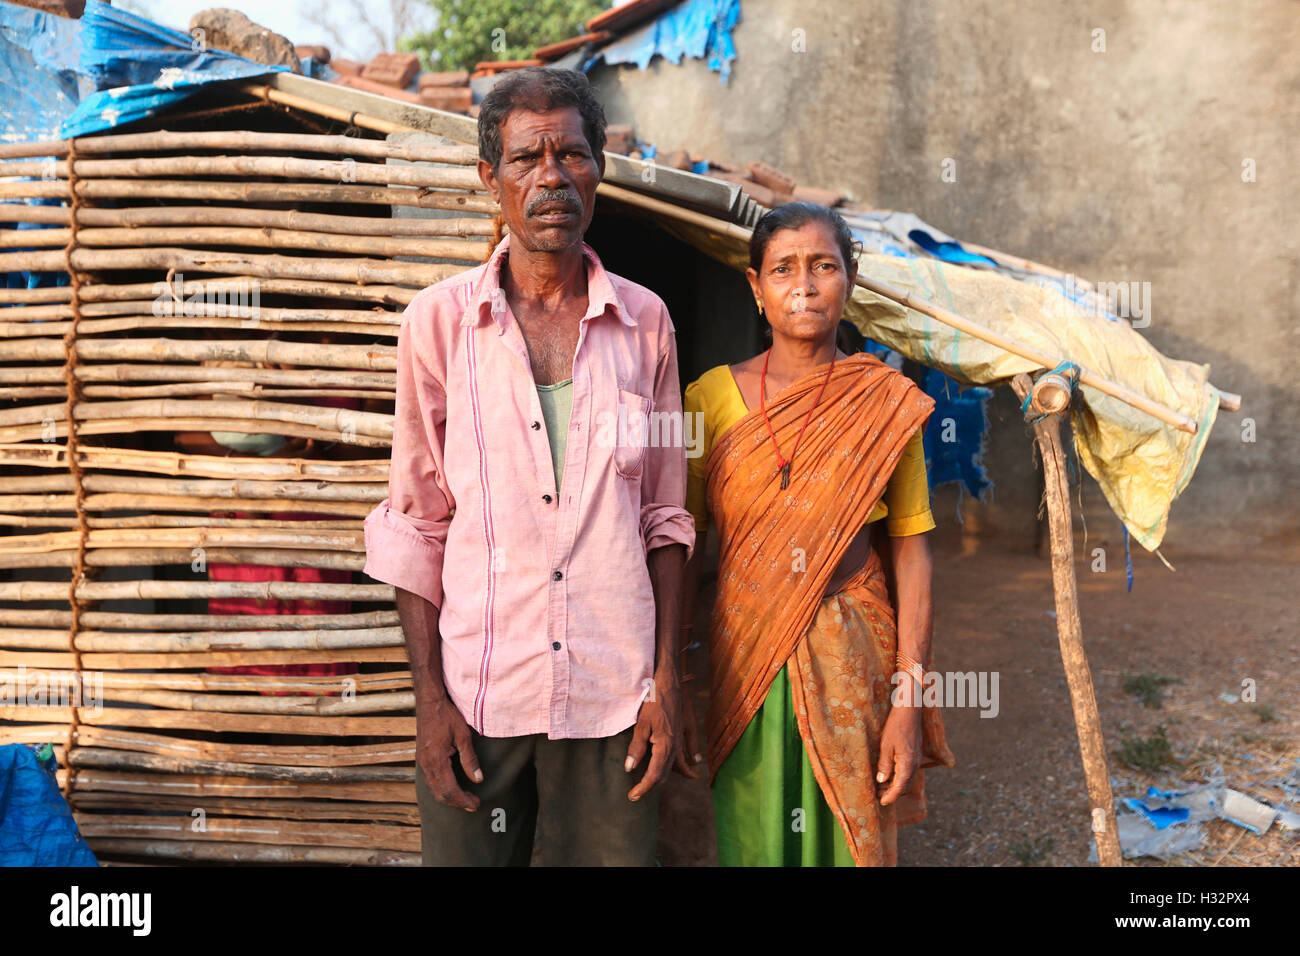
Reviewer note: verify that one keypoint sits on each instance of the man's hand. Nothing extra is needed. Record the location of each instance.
(900, 750)
(441, 731)
(657, 723)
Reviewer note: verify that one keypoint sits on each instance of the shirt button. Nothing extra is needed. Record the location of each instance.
(536, 425)
(555, 645)
(557, 575)
(546, 498)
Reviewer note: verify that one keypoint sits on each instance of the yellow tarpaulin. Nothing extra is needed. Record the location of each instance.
(1141, 464)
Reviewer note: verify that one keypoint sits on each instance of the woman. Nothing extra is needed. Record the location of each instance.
(807, 450)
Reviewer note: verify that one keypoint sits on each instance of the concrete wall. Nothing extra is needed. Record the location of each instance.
(1122, 165)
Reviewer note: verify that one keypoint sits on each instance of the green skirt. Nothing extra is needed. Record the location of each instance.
(767, 806)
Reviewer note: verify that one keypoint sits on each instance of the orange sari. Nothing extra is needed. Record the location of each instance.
(779, 550)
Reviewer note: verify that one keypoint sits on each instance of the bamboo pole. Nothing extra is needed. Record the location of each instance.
(334, 726)
(293, 219)
(240, 488)
(319, 706)
(293, 755)
(48, 455)
(249, 237)
(246, 853)
(189, 642)
(251, 807)
(471, 250)
(1078, 675)
(149, 557)
(240, 305)
(146, 590)
(125, 660)
(373, 424)
(370, 837)
(368, 384)
(107, 292)
(351, 117)
(285, 167)
(187, 538)
(219, 389)
(163, 501)
(136, 189)
(119, 520)
(268, 266)
(148, 321)
(205, 786)
(32, 734)
(243, 141)
(266, 351)
(123, 620)
(259, 683)
(124, 426)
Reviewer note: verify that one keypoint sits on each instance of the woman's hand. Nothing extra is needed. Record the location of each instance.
(900, 751)
(690, 749)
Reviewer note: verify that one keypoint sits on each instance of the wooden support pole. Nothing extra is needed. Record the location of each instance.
(1087, 721)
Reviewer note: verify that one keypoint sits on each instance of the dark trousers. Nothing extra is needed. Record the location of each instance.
(570, 794)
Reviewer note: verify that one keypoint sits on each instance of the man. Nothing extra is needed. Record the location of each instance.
(537, 549)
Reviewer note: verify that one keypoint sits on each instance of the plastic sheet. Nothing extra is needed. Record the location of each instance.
(141, 68)
(700, 29)
(39, 72)
(36, 824)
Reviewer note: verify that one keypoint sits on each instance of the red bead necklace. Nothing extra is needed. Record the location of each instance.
(784, 463)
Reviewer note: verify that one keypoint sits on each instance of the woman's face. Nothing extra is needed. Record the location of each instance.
(803, 283)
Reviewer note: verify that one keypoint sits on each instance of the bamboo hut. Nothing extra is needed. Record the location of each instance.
(236, 269)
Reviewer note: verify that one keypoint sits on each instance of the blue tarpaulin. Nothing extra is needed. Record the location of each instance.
(36, 824)
(141, 67)
(39, 72)
(700, 29)
(65, 78)
(52, 68)
(954, 436)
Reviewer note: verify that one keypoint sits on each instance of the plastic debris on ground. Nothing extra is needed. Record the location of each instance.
(1246, 812)
(1165, 823)
(1138, 838)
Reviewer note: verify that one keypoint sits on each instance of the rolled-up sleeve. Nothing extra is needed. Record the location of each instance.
(406, 533)
(664, 518)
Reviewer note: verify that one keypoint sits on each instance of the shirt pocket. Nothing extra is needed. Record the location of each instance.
(632, 434)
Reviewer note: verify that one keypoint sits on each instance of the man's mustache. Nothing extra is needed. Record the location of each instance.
(556, 195)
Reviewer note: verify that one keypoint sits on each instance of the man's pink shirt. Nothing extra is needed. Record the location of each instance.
(547, 616)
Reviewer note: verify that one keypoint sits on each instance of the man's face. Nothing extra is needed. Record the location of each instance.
(546, 182)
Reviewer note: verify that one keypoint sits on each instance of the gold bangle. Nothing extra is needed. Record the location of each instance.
(910, 666)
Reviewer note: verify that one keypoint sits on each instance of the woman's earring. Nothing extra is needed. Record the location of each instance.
(760, 307)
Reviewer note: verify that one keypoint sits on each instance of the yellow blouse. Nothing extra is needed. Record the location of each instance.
(716, 397)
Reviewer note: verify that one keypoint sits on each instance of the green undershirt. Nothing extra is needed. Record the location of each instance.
(557, 405)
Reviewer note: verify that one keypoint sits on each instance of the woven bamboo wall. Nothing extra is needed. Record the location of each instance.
(112, 523)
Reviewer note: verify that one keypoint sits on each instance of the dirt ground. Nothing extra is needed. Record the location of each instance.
(1016, 796)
